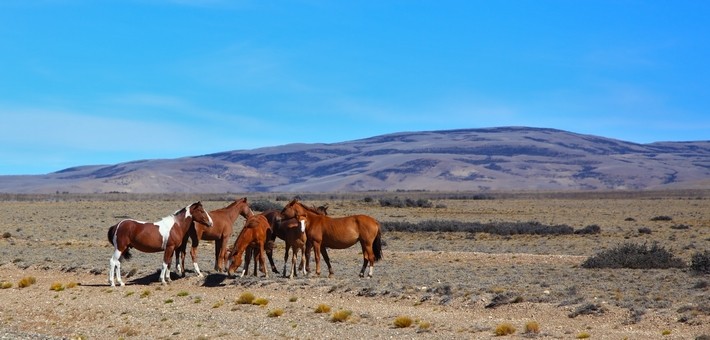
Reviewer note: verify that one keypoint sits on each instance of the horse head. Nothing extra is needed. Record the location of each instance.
(291, 209)
(198, 213)
(244, 208)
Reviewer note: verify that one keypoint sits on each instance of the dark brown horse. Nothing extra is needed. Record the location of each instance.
(254, 234)
(223, 220)
(338, 233)
(165, 235)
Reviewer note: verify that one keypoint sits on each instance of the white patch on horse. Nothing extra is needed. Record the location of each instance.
(164, 227)
(303, 226)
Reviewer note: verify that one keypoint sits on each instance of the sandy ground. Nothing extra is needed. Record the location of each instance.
(451, 285)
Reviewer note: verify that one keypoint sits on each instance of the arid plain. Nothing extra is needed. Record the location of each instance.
(450, 284)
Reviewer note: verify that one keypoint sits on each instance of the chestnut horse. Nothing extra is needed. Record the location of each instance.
(255, 232)
(338, 233)
(220, 232)
(165, 235)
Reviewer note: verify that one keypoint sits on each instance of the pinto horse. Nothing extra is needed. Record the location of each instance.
(220, 232)
(255, 232)
(338, 233)
(165, 235)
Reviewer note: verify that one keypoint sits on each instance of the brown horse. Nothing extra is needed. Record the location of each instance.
(254, 234)
(220, 232)
(165, 235)
(338, 233)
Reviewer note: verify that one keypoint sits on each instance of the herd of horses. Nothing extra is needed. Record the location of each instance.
(301, 227)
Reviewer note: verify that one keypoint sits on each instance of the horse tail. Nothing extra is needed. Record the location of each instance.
(377, 246)
(111, 232)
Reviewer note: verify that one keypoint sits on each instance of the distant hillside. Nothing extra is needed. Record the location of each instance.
(506, 158)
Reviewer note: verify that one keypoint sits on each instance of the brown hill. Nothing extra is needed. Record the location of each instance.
(505, 158)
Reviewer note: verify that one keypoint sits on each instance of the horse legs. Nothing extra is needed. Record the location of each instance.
(193, 255)
(286, 260)
(270, 255)
(167, 259)
(262, 260)
(368, 258)
(115, 268)
(316, 254)
(327, 261)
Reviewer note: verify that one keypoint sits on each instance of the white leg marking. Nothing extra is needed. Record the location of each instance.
(371, 269)
(197, 269)
(162, 273)
(243, 271)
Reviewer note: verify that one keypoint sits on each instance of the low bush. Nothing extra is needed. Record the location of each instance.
(634, 256)
(661, 218)
(496, 228)
(589, 230)
(322, 308)
(275, 313)
(264, 205)
(700, 262)
(5, 285)
(532, 327)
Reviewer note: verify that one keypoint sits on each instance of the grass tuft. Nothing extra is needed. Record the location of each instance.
(323, 308)
(260, 302)
(275, 313)
(183, 293)
(245, 299)
(403, 321)
(504, 329)
(583, 335)
(5, 285)
(145, 293)
(27, 281)
(57, 287)
(341, 315)
(532, 327)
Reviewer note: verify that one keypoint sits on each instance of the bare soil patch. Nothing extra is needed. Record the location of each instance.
(451, 284)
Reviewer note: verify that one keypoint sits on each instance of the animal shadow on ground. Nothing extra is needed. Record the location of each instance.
(151, 278)
(214, 280)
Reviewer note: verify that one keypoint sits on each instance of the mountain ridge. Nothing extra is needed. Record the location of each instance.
(499, 158)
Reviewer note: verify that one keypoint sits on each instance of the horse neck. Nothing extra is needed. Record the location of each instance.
(234, 210)
(183, 222)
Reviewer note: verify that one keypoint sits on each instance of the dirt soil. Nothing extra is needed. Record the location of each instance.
(450, 284)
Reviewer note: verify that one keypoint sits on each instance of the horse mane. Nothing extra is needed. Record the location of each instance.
(231, 205)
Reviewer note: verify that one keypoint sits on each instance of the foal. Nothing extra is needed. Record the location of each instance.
(165, 235)
(254, 234)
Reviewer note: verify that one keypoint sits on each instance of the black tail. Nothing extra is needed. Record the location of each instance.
(377, 246)
(111, 231)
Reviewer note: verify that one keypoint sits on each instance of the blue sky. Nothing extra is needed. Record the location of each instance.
(100, 82)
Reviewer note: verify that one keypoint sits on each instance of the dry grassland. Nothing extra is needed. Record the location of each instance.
(438, 284)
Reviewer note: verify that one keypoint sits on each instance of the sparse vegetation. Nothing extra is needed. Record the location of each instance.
(504, 329)
(183, 293)
(145, 293)
(662, 218)
(496, 228)
(403, 321)
(264, 205)
(583, 335)
(5, 285)
(634, 256)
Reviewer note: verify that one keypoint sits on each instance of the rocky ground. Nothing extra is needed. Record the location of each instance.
(451, 285)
